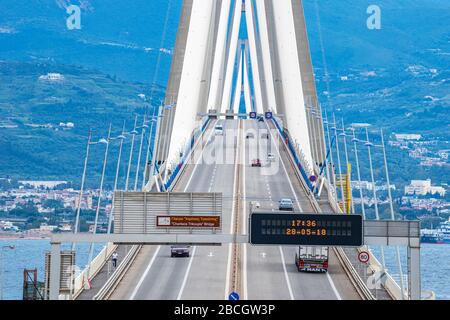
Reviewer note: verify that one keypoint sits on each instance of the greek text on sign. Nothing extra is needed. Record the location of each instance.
(188, 221)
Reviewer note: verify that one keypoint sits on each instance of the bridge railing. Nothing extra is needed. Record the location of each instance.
(390, 284)
(114, 280)
(187, 152)
(351, 271)
(90, 271)
(301, 165)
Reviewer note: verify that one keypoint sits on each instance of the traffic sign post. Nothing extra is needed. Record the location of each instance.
(252, 115)
(233, 296)
(269, 115)
(364, 257)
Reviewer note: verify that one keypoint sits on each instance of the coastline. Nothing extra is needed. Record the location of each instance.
(16, 236)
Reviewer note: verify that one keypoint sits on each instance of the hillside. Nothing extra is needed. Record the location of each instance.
(33, 145)
(396, 78)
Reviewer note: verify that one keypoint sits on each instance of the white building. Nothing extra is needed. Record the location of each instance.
(86, 202)
(366, 185)
(46, 228)
(52, 77)
(7, 226)
(67, 125)
(408, 136)
(422, 188)
(66, 228)
(43, 184)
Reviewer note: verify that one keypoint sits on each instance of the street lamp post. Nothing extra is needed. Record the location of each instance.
(339, 163)
(121, 138)
(348, 164)
(1, 267)
(143, 127)
(375, 201)
(83, 179)
(333, 175)
(155, 145)
(146, 169)
(80, 197)
(358, 171)
(133, 135)
(391, 206)
(107, 141)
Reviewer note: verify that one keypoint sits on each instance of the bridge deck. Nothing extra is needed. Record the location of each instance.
(268, 272)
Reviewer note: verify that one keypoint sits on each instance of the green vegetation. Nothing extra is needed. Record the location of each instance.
(86, 98)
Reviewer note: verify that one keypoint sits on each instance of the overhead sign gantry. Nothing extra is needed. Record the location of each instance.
(306, 229)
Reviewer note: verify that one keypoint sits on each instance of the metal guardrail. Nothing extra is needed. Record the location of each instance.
(428, 295)
(354, 277)
(114, 280)
(390, 285)
(112, 283)
(96, 265)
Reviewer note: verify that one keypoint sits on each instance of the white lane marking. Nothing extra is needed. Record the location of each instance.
(136, 289)
(191, 259)
(198, 161)
(244, 271)
(285, 273)
(186, 274)
(338, 296)
(155, 254)
(244, 224)
(296, 199)
(298, 204)
(284, 168)
(227, 279)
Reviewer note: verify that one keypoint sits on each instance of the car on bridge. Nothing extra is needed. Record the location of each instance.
(179, 251)
(270, 157)
(218, 130)
(256, 163)
(250, 135)
(286, 204)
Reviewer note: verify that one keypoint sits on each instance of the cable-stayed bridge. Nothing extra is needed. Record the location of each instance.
(240, 129)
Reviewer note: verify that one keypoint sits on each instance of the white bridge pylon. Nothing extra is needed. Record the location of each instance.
(268, 69)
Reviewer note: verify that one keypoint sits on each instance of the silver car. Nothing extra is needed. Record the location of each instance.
(286, 204)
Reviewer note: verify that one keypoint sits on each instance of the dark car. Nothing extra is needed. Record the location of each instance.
(179, 251)
(256, 163)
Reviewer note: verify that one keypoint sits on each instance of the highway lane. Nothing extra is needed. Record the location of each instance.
(272, 273)
(207, 277)
(266, 277)
(332, 285)
(174, 278)
(268, 272)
